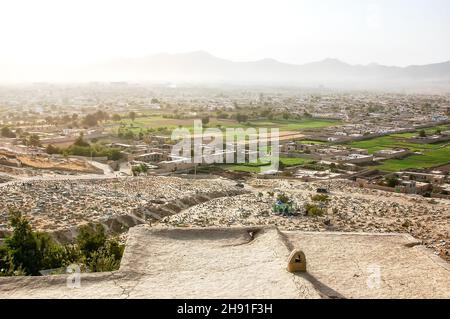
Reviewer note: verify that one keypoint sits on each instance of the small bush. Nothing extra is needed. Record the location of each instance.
(283, 198)
(101, 260)
(313, 210)
(91, 238)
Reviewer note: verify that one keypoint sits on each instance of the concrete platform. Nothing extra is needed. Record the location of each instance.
(251, 263)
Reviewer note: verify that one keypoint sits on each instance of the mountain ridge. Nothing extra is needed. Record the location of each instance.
(203, 67)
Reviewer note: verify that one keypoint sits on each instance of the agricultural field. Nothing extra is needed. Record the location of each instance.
(155, 122)
(392, 141)
(295, 125)
(430, 158)
(255, 167)
(314, 142)
(432, 154)
(428, 131)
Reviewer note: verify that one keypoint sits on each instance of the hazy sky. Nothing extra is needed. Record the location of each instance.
(393, 32)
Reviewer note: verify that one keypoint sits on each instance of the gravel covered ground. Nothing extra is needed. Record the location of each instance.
(61, 204)
(350, 209)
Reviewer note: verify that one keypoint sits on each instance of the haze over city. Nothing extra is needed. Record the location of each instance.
(399, 32)
(182, 149)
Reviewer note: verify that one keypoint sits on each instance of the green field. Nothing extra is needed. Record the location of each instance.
(433, 154)
(256, 167)
(294, 125)
(430, 158)
(392, 141)
(313, 142)
(155, 122)
(428, 131)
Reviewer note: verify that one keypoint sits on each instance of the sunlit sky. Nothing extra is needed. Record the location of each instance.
(391, 32)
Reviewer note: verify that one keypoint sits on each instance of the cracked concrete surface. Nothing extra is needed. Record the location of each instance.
(251, 263)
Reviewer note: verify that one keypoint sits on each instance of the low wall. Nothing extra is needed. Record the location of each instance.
(364, 184)
(86, 158)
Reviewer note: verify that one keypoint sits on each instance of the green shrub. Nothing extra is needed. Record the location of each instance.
(101, 260)
(51, 149)
(392, 181)
(107, 258)
(22, 245)
(91, 238)
(6, 268)
(313, 210)
(283, 198)
(95, 150)
(26, 252)
(141, 168)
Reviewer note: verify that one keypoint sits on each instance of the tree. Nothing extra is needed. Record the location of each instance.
(50, 149)
(129, 135)
(101, 115)
(392, 181)
(144, 168)
(241, 117)
(34, 140)
(141, 168)
(422, 133)
(116, 117)
(65, 119)
(22, 245)
(26, 252)
(221, 115)
(132, 115)
(90, 120)
(6, 132)
(205, 120)
(91, 238)
(438, 131)
(115, 155)
(80, 141)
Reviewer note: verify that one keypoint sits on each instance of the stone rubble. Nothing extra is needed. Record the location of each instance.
(350, 209)
(54, 205)
(59, 204)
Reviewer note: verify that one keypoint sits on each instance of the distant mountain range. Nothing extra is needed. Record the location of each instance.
(202, 67)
